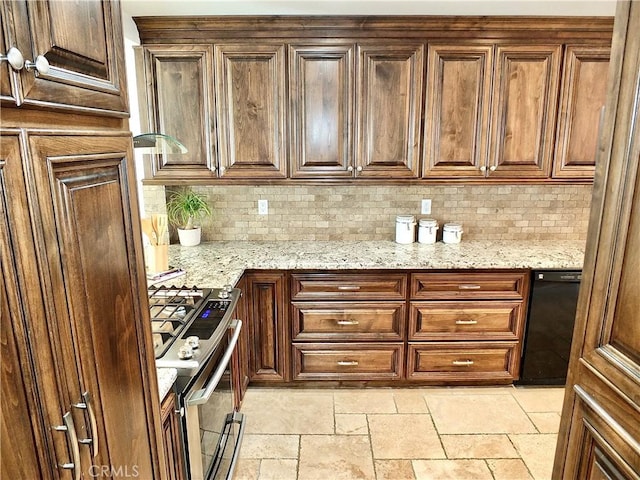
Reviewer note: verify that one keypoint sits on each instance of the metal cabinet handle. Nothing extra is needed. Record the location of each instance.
(41, 65)
(469, 287)
(72, 439)
(93, 440)
(347, 363)
(14, 58)
(466, 322)
(350, 288)
(462, 363)
(347, 322)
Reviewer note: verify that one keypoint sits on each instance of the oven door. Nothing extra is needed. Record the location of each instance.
(212, 429)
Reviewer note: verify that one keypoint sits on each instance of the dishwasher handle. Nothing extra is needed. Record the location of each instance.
(558, 276)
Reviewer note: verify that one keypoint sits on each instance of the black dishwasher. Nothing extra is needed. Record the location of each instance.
(549, 327)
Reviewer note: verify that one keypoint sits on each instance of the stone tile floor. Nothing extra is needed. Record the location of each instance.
(457, 433)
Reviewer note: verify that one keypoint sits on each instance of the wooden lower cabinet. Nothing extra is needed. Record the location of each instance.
(240, 359)
(348, 361)
(463, 362)
(174, 458)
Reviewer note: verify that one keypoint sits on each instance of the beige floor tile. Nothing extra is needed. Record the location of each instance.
(546, 422)
(404, 436)
(247, 469)
(540, 399)
(478, 446)
(410, 401)
(537, 452)
(454, 414)
(278, 469)
(394, 470)
(288, 411)
(509, 469)
(365, 401)
(451, 469)
(351, 424)
(269, 446)
(499, 390)
(335, 457)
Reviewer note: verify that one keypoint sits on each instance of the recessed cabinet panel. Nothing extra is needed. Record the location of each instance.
(458, 104)
(321, 91)
(81, 41)
(178, 100)
(6, 92)
(250, 93)
(524, 102)
(389, 108)
(582, 96)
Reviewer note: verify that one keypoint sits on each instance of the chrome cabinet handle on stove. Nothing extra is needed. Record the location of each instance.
(93, 440)
(72, 439)
(202, 396)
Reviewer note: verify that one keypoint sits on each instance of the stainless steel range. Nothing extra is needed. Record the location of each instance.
(194, 332)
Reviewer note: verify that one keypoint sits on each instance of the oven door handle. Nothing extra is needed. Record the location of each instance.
(202, 396)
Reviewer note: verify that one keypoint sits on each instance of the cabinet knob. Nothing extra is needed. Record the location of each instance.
(493, 168)
(350, 168)
(483, 168)
(14, 57)
(359, 168)
(41, 65)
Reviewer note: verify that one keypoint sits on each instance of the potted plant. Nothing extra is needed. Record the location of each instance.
(184, 208)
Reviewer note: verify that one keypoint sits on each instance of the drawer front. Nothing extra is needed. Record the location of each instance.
(321, 321)
(488, 320)
(463, 361)
(464, 285)
(329, 286)
(355, 361)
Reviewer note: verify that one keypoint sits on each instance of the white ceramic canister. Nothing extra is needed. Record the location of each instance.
(427, 229)
(405, 229)
(452, 233)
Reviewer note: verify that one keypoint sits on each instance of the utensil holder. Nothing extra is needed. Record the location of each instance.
(157, 258)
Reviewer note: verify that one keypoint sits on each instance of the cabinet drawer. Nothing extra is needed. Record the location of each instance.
(466, 320)
(354, 361)
(463, 361)
(329, 286)
(348, 320)
(463, 285)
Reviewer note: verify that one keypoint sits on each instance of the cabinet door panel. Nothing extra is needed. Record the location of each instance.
(250, 89)
(583, 94)
(321, 90)
(456, 126)
(524, 104)
(178, 98)
(389, 105)
(87, 196)
(6, 92)
(86, 63)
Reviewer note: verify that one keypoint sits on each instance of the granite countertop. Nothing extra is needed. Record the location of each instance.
(166, 379)
(218, 263)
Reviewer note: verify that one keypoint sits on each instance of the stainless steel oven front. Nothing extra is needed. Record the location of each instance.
(211, 429)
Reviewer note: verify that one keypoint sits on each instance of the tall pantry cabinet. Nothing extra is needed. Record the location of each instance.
(79, 392)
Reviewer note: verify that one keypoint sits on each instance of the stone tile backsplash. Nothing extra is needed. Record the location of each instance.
(355, 212)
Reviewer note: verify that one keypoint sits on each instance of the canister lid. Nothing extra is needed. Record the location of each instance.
(405, 219)
(452, 227)
(428, 222)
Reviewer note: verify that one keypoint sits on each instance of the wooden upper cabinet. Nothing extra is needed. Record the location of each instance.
(176, 97)
(389, 109)
(6, 90)
(582, 95)
(525, 87)
(458, 104)
(82, 43)
(321, 86)
(251, 103)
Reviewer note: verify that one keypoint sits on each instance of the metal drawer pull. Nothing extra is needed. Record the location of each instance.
(462, 363)
(466, 322)
(347, 363)
(70, 429)
(347, 322)
(88, 406)
(469, 287)
(351, 288)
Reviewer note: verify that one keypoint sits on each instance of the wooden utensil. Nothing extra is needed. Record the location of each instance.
(149, 231)
(160, 224)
